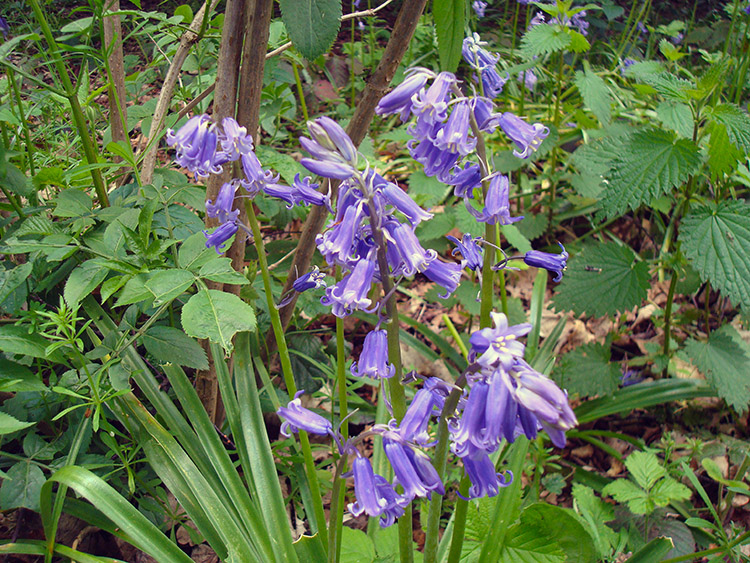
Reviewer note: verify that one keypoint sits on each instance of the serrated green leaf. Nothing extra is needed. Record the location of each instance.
(602, 280)
(312, 24)
(669, 86)
(218, 316)
(515, 238)
(645, 468)
(427, 190)
(21, 487)
(72, 203)
(587, 371)
(723, 155)
(221, 271)
(595, 94)
(170, 345)
(166, 285)
(544, 39)
(717, 239)
(17, 340)
(595, 512)
(11, 279)
(625, 491)
(578, 41)
(560, 523)
(737, 124)
(16, 377)
(13, 180)
(83, 280)
(282, 163)
(676, 116)
(449, 16)
(652, 162)
(533, 226)
(668, 490)
(135, 290)
(725, 361)
(9, 424)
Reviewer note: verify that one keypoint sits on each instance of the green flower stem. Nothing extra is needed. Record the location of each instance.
(459, 521)
(24, 124)
(698, 555)
(735, 11)
(456, 337)
(89, 149)
(286, 369)
(739, 84)
(13, 202)
(337, 497)
(337, 509)
(515, 30)
(300, 91)
(668, 315)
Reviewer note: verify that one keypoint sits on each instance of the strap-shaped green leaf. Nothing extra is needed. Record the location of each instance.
(450, 16)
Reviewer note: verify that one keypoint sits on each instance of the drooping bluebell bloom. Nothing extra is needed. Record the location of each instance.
(337, 243)
(328, 169)
(485, 64)
(527, 137)
(411, 256)
(255, 177)
(491, 347)
(373, 361)
(4, 28)
(351, 293)
(222, 209)
(496, 203)
(630, 377)
(485, 481)
(234, 139)
(412, 468)
(196, 144)
(471, 251)
(528, 78)
(454, 136)
(428, 401)
(220, 235)
(375, 495)
(468, 434)
(399, 100)
(406, 205)
(297, 417)
(677, 39)
(332, 137)
(306, 192)
(642, 30)
(430, 107)
(436, 161)
(479, 7)
(538, 19)
(463, 180)
(311, 280)
(334, 154)
(551, 262)
(626, 63)
(446, 274)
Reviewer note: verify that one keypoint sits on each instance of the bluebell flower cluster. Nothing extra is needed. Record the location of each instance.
(479, 8)
(203, 148)
(4, 28)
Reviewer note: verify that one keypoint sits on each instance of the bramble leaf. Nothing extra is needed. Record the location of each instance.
(595, 94)
(170, 345)
(312, 24)
(218, 316)
(717, 239)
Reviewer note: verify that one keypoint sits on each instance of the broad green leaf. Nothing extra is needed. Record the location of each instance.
(449, 16)
(587, 370)
(12, 279)
(578, 42)
(16, 377)
(645, 468)
(603, 279)
(562, 525)
(737, 124)
(717, 239)
(72, 203)
(515, 238)
(39, 548)
(669, 86)
(724, 359)
(166, 285)
(218, 316)
(193, 253)
(282, 163)
(83, 280)
(544, 39)
(21, 487)
(170, 345)
(676, 116)
(427, 190)
(528, 543)
(312, 24)
(10, 424)
(220, 270)
(723, 155)
(595, 512)
(652, 163)
(356, 546)
(595, 93)
(668, 490)
(17, 340)
(13, 180)
(135, 290)
(653, 552)
(310, 548)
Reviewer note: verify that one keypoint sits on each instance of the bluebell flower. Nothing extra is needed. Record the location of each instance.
(406, 250)
(496, 203)
(642, 30)
(551, 262)
(296, 418)
(446, 274)
(196, 144)
(255, 177)
(334, 153)
(630, 377)
(331, 136)
(373, 361)
(428, 401)
(406, 205)
(430, 107)
(527, 137)
(412, 468)
(328, 169)
(436, 161)
(475, 55)
(454, 136)
(484, 113)
(306, 192)
(234, 139)
(399, 100)
(468, 435)
(471, 251)
(313, 279)
(463, 180)
(677, 39)
(479, 7)
(220, 235)
(222, 209)
(351, 293)
(337, 243)
(4, 28)
(375, 495)
(626, 63)
(491, 347)
(485, 481)
(538, 19)
(528, 78)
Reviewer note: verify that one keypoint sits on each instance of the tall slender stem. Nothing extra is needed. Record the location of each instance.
(668, 314)
(89, 149)
(286, 369)
(300, 91)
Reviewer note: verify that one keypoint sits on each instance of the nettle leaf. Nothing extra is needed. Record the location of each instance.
(603, 279)
(669, 86)
(717, 239)
(449, 16)
(651, 163)
(676, 116)
(724, 359)
(312, 24)
(595, 93)
(723, 155)
(587, 371)
(737, 124)
(218, 316)
(170, 345)
(544, 39)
